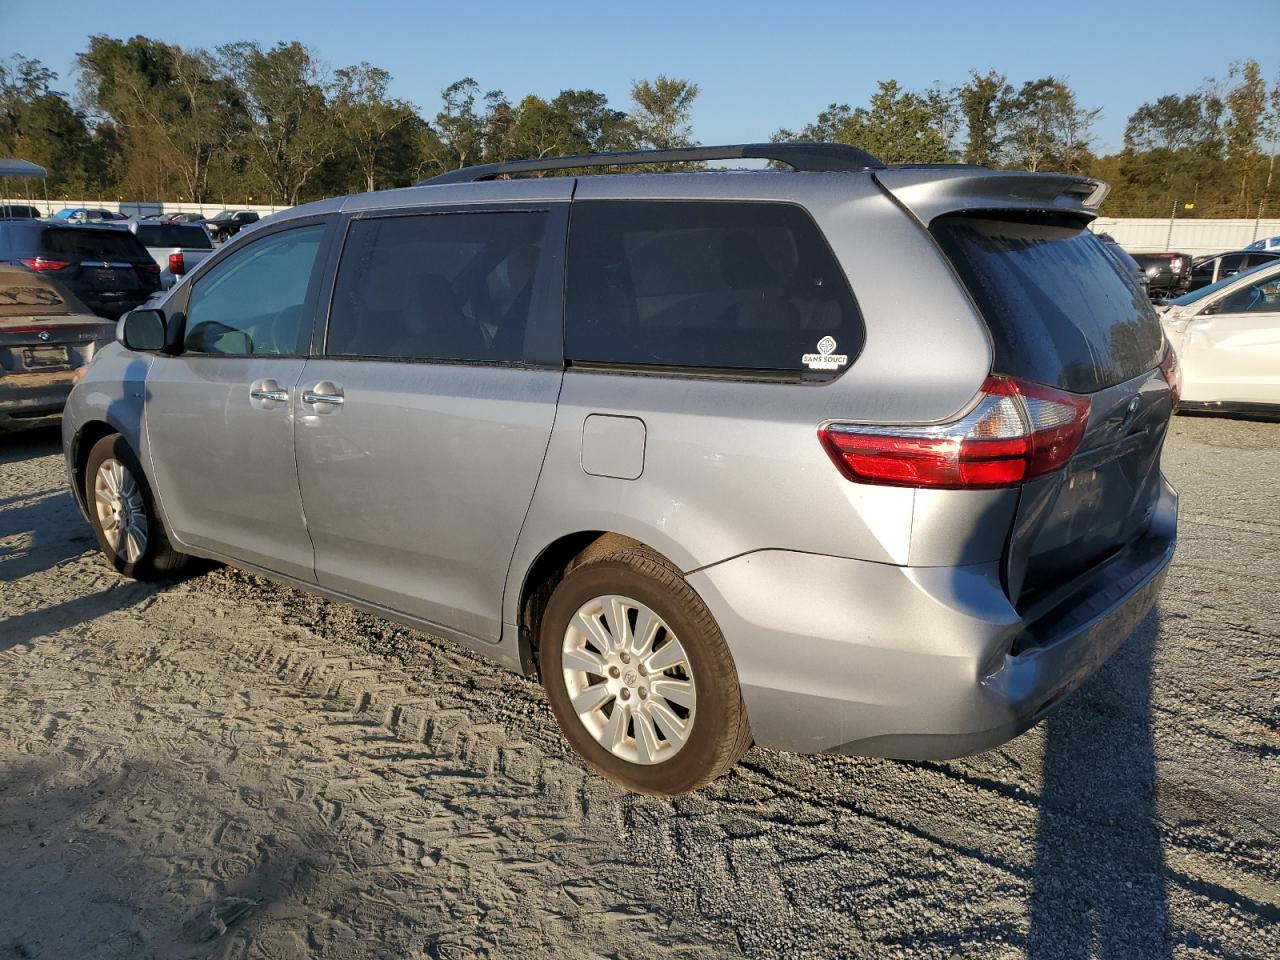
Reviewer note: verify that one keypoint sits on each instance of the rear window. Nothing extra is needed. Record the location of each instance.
(1059, 310)
(173, 235)
(714, 285)
(84, 244)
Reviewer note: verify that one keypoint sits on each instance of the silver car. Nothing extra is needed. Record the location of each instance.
(844, 458)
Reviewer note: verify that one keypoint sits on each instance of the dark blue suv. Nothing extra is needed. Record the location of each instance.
(105, 267)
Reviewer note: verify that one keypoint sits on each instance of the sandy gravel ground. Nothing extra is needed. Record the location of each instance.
(224, 767)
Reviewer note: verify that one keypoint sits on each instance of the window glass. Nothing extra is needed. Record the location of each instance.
(101, 244)
(251, 303)
(716, 285)
(173, 235)
(1058, 312)
(1262, 296)
(448, 286)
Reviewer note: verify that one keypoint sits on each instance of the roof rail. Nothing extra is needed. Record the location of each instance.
(798, 156)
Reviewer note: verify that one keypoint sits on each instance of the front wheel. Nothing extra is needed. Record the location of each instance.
(123, 514)
(639, 675)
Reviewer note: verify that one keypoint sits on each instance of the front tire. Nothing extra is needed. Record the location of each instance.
(123, 513)
(639, 675)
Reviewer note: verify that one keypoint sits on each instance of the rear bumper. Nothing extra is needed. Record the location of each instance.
(32, 399)
(846, 656)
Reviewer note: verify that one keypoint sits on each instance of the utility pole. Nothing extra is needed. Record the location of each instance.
(1266, 192)
(1168, 240)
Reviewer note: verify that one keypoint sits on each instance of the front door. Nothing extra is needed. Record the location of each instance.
(1231, 353)
(220, 415)
(423, 425)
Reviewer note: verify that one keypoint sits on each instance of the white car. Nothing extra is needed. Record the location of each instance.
(1227, 340)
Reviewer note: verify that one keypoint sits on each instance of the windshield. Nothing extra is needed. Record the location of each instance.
(1196, 295)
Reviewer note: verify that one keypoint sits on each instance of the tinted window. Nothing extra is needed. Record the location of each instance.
(1058, 311)
(452, 286)
(82, 244)
(746, 286)
(251, 303)
(173, 235)
(1196, 295)
(1262, 296)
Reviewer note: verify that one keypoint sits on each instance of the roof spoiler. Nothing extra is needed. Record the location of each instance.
(930, 192)
(811, 157)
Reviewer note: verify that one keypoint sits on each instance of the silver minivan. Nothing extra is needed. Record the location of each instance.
(845, 458)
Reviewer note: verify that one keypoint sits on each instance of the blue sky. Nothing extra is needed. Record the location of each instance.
(760, 65)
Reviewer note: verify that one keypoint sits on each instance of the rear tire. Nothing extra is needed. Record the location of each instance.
(123, 514)
(639, 675)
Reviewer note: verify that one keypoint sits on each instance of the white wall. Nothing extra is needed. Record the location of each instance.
(141, 208)
(1188, 236)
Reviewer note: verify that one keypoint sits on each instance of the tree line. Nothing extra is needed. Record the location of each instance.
(153, 120)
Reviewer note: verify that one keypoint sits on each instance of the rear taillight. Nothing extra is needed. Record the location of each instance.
(177, 266)
(1015, 432)
(152, 268)
(39, 264)
(1169, 370)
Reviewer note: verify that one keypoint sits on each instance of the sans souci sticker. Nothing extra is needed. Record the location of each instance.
(826, 358)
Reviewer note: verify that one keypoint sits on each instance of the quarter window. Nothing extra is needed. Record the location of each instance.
(441, 286)
(251, 304)
(707, 284)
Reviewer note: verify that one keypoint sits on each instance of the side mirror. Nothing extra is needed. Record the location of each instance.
(142, 330)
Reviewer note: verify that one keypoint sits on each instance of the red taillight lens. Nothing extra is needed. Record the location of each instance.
(177, 266)
(1169, 370)
(152, 269)
(39, 264)
(1015, 432)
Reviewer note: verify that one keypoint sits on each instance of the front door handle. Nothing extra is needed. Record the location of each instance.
(269, 390)
(324, 392)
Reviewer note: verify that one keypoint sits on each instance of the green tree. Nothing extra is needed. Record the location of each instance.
(898, 126)
(1048, 129)
(985, 102)
(39, 124)
(373, 125)
(661, 111)
(174, 115)
(291, 131)
(1246, 104)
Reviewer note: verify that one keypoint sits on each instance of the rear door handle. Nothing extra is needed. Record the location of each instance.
(324, 392)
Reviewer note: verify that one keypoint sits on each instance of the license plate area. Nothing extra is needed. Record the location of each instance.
(43, 358)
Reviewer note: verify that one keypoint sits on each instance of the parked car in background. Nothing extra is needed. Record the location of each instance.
(1227, 337)
(89, 215)
(106, 268)
(716, 460)
(19, 211)
(46, 334)
(228, 223)
(175, 217)
(1211, 269)
(1266, 243)
(1129, 266)
(175, 247)
(1168, 274)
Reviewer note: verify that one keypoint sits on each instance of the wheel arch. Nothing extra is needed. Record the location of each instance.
(86, 437)
(548, 568)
